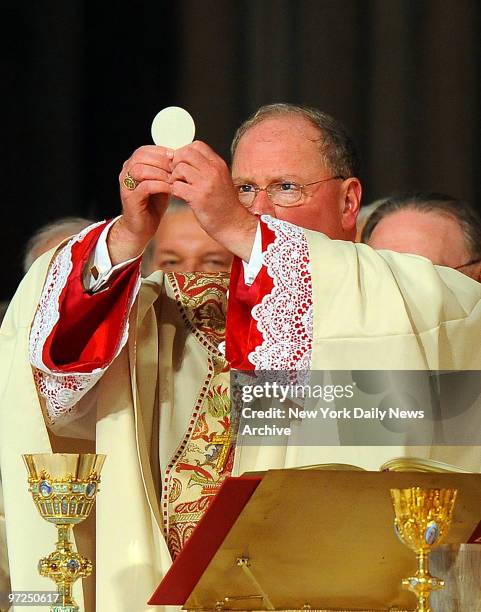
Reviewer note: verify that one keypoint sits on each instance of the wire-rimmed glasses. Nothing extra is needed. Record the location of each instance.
(280, 193)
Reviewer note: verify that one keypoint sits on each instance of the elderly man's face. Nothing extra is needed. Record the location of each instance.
(286, 148)
(430, 234)
(181, 245)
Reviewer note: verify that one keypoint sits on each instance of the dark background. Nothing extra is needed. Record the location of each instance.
(85, 79)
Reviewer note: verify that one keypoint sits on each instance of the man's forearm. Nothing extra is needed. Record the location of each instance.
(237, 235)
(123, 245)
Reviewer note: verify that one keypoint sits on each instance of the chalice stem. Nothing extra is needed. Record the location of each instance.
(64, 586)
(64, 542)
(424, 575)
(423, 562)
(65, 596)
(423, 604)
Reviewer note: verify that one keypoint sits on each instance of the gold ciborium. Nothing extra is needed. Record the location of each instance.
(422, 520)
(63, 487)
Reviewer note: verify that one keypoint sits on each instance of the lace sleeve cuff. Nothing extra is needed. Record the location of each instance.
(285, 316)
(63, 390)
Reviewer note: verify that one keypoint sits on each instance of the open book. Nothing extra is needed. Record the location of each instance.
(401, 464)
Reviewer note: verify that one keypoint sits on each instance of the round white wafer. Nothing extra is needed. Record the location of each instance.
(173, 127)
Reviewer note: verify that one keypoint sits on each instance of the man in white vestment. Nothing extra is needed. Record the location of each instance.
(302, 296)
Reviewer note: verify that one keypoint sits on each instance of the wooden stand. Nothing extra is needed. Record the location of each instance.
(315, 540)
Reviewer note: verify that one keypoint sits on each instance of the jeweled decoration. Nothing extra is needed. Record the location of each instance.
(63, 487)
(422, 520)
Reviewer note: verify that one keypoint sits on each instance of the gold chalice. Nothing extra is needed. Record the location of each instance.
(63, 487)
(423, 518)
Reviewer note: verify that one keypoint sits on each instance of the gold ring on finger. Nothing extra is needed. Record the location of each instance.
(129, 182)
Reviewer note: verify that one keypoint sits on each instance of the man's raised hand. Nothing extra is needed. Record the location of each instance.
(142, 207)
(202, 178)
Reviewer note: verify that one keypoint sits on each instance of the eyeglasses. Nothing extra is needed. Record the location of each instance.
(471, 262)
(284, 193)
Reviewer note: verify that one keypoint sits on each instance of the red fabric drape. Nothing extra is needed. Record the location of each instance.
(89, 328)
(242, 335)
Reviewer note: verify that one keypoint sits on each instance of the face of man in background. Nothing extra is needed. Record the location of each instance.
(181, 245)
(286, 148)
(436, 236)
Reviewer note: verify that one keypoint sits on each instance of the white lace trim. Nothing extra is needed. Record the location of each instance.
(47, 314)
(62, 390)
(62, 393)
(285, 316)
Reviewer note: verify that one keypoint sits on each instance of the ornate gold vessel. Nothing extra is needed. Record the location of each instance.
(422, 520)
(63, 487)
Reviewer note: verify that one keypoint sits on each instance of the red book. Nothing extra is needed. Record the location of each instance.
(190, 564)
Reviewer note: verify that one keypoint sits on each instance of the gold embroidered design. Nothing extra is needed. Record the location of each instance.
(205, 457)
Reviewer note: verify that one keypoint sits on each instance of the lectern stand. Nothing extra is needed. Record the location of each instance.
(317, 540)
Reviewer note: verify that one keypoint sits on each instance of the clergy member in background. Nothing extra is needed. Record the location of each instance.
(298, 299)
(437, 226)
(50, 235)
(181, 245)
(364, 213)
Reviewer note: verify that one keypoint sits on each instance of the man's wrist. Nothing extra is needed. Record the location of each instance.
(239, 234)
(123, 245)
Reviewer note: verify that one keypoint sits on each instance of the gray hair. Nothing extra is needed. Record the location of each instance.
(59, 229)
(467, 217)
(336, 146)
(366, 211)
